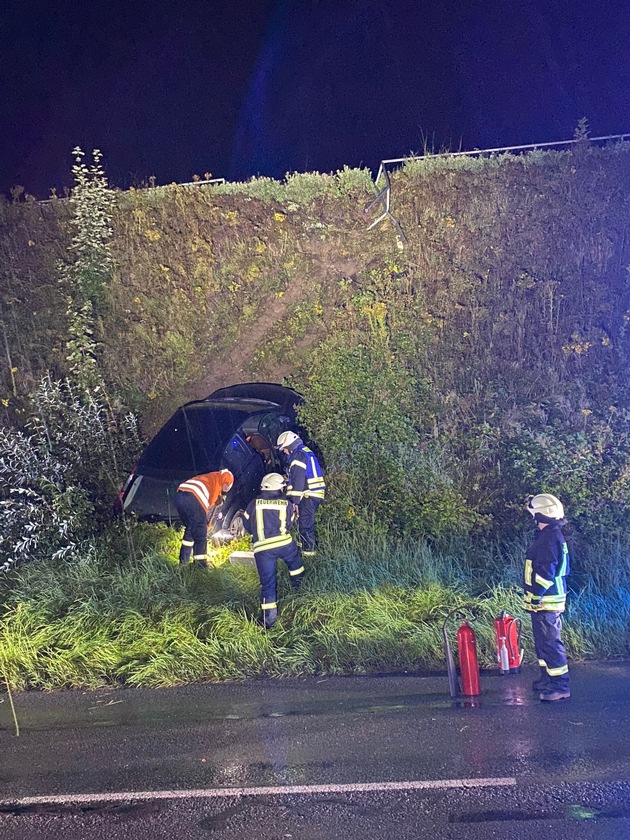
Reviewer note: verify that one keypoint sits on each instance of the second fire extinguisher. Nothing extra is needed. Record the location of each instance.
(507, 630)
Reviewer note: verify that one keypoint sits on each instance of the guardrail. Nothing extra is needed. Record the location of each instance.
(384, 196)
(201, 182)
(198, 183)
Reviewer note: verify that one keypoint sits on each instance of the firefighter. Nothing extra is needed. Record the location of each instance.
(196, 500)
(306, 486)
(546, 569)
(257, 441)
(268, 519)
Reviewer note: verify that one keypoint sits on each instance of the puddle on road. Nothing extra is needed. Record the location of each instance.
(574, 811)
(114, 715)
(130, 810)
(426, 701)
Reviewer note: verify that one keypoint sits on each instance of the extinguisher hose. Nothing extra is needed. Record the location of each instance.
(460, 612)
(450, 663)
(447, 619)
(509, 644)
(514, 654)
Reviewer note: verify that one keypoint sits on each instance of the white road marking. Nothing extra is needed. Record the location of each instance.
(281, 790)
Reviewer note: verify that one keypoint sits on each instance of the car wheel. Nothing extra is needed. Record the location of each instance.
(236, 526)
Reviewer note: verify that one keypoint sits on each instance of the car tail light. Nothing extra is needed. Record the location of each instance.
(118, 504)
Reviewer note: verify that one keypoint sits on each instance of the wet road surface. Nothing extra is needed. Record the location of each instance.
(318, 758)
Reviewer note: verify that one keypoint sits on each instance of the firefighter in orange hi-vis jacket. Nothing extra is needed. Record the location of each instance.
(195, 501)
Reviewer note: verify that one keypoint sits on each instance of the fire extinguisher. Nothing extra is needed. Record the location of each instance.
(468, 662)
(507, 630)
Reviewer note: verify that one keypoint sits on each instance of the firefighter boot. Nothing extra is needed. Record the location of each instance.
(553, 694)
(542, 682)
(268, 618)
(296, 580)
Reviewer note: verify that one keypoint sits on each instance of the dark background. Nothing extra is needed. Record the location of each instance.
(245, 87)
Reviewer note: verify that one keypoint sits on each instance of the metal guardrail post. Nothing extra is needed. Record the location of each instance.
(385, 197)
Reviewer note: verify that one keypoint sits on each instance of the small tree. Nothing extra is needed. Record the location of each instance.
(90, 264)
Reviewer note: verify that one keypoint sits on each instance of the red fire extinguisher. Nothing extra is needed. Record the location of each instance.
(468, 662)
(507, 630)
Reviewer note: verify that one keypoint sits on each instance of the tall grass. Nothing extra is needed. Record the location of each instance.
(367, 605)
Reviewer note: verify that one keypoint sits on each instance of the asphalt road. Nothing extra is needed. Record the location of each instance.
(358, 757)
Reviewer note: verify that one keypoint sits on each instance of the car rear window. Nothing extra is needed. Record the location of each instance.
(193, 440)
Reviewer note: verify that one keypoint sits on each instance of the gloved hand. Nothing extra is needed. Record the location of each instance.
(296, 511)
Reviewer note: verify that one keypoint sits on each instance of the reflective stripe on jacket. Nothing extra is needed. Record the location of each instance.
(207, 488)
(547, 565)
(268, 519)
(305, 476)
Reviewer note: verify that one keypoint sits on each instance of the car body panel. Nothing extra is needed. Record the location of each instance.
(280, 395)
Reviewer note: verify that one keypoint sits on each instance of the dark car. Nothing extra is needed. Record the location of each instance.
(234, 428)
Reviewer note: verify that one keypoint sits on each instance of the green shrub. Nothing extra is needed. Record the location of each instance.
(368, 413)
(59, 477)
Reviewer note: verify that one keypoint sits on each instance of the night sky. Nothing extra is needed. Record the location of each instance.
(246, 87)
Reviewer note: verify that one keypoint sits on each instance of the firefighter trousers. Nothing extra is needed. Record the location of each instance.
(547, 627)
(267, 573)
(306, 522)
(194, 519)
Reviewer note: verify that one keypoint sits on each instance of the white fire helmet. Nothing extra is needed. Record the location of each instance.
(273, 481)
(547, 505)
(286, 439)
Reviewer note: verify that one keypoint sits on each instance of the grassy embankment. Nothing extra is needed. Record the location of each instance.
(496, 338)
(363, 608)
